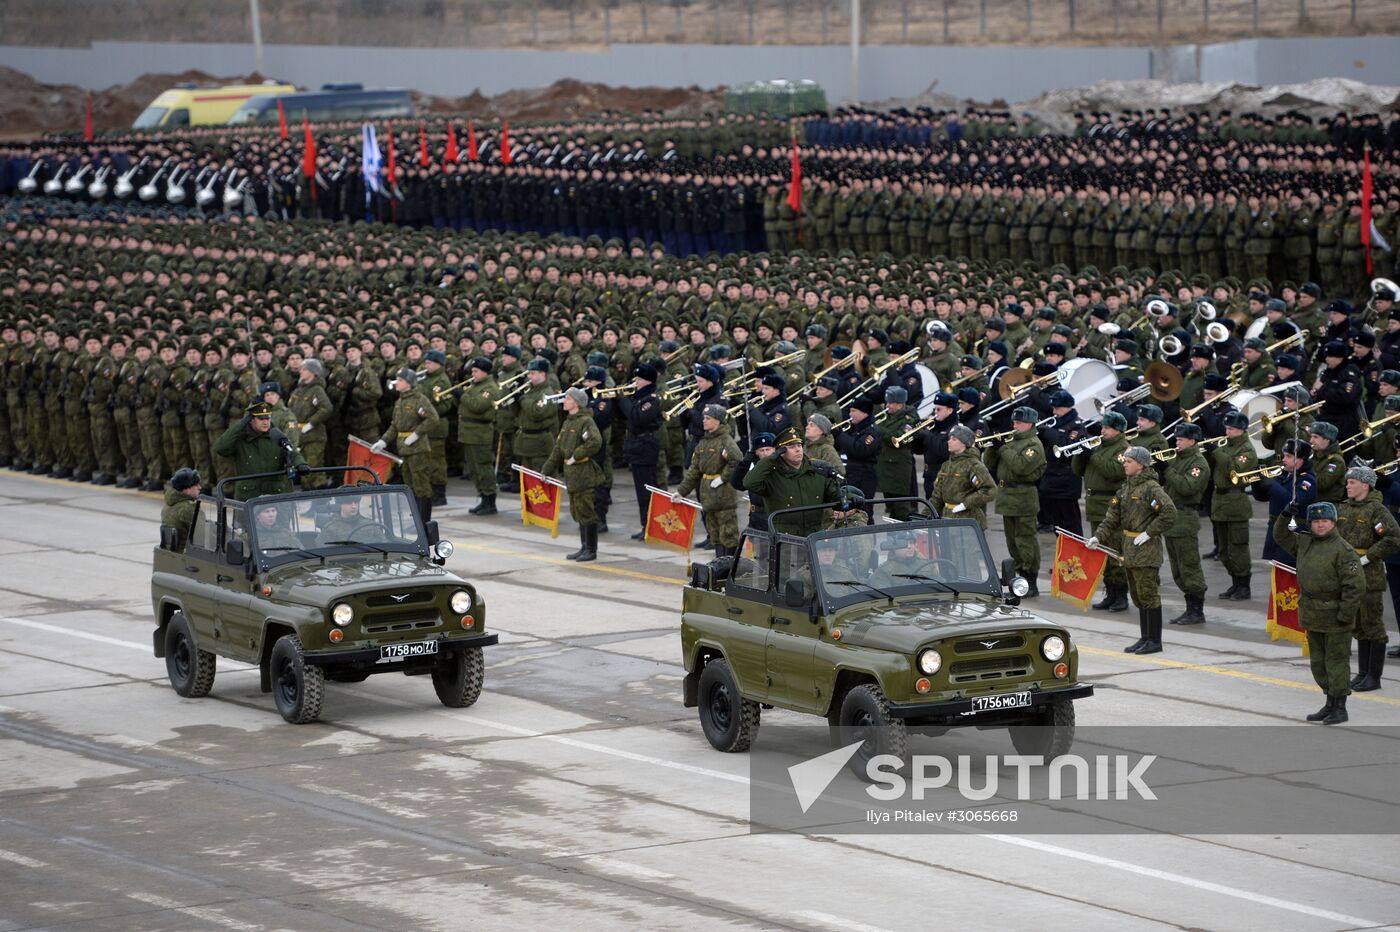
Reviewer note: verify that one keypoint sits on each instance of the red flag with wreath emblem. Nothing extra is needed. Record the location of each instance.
(671, 524)
(1283, 607)
(359, 453)
(1077, 570)
(540, 497)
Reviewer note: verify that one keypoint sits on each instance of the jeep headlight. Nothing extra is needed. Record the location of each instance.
(461, 601)
(342, 614)
(443, 549)
(1053, 647)
(1020, 586)
(930, 661)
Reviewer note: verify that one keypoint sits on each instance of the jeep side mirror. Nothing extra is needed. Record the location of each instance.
(233, 552)
(795, 593)
(1008, 571)
(430, 531)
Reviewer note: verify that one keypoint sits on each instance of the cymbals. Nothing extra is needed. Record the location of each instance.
(1165, 380)
(1009, 381)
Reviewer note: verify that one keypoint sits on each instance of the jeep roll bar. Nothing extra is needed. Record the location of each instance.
(220, 500)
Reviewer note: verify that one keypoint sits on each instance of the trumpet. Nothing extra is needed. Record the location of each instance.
(1165, 456)
(615, 391)
(1079, 446)
(987, 441)
(1386, 469)
(681, 405)
(877, 418)
(442, 391)
(510, 396)
(1254, 475)
(749, 398)
(1269, 420)
(554, 399)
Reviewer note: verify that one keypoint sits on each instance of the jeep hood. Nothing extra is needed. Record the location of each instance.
(310, 583)
(906, 627)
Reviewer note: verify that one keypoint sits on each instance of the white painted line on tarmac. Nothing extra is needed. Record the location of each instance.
(1206, 885)
(627, 869)
(198, 912)
(835, 922)
(17, 858)
(1101, 861)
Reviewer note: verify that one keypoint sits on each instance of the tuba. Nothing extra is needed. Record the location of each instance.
(27, 184)
(234, 196)
(1169, 346)
(54, 185)
(1217, 332)
(74, 185)
(204, 186)
(123, 189)
(98, 189)
(175, 186)
(149, 191)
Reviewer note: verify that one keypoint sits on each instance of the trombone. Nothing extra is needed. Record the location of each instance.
(1011, 390)
(1190, 413)
(819, 375)
(1372, 427)
(511, 395)
(1270, 420)
(681, 405)
(1254, 475)
(877, 418)
(875, 375)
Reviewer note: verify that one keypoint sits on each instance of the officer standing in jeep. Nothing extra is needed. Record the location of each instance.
(255, 446)
(787, 479)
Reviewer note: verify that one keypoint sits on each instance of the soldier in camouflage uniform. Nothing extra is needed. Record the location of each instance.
(310, 408)
(1139, 515)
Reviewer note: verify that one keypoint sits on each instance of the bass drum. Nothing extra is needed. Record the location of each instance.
(1256, 405)
(1256, 329)
(930, 381)
(1088, 380)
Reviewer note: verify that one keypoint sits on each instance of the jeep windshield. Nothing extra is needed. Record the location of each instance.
(861, 564)
(314, 526)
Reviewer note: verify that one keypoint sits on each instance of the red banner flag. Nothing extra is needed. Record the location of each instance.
(451, 155)
(471, 141)
(1366, 204)
(423, 146)
(281, 119)
(505, 142)
(671, 524)
(540, 497)
(87, 120)
(1076, 571)
(1283, 607)
(360, 453)
(308, 156)
(794, 197)
(390, 179)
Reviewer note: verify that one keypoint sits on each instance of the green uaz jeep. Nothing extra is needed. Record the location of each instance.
(336, 584)
(875, 628)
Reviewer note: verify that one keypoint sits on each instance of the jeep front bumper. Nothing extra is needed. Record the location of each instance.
(960, 711)
(370, 656)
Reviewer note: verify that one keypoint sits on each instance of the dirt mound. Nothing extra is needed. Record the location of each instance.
(28, 107)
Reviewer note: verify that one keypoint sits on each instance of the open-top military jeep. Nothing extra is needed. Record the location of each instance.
(331, 584)
(876, 628)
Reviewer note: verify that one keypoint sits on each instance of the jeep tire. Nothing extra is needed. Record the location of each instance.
(457, 678)
(296, 687)
(865, 716)
(1049, 734)
(729, 721)
(190, 669)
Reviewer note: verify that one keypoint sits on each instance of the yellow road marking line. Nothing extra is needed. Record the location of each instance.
(595, 567)
(85, 486)
(1236, 674)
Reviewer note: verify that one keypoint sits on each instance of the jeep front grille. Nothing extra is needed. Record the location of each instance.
(384, 622)
(400, 600)
(993, 668)
(1004, 642)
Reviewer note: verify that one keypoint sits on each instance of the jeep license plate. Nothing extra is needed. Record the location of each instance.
(410, 649)
(996, 703)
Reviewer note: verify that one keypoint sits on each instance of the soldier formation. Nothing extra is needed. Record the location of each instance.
(658, 304)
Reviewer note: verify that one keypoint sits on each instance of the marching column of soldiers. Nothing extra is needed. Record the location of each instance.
(134, 347)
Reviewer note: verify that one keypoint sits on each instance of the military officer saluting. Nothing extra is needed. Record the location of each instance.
(1366, 523)
(964, 486)
(712, 466)
(1186, 478)
(787, 479)
(1018, 465)
(1331, 586)
(576, 451)
(1138, 517)
(413, 416)
(254, 446)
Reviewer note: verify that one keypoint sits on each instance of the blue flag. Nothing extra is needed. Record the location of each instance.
(370, 159)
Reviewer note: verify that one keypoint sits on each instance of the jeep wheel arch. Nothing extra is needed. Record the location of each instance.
(703, 654)
(847, 680)
(168, 608)
(272, 632)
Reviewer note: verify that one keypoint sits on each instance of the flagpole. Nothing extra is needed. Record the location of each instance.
(1085, 541)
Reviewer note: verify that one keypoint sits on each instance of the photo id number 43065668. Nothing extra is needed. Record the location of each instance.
(995, 703)
(410, 649)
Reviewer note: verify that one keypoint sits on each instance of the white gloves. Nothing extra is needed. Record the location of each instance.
(411, 439)
(379, 446)
(1141, 539)
(307, 428)
(1365, 561)
(569, 462)
(1092, 543)
(716, 482)
(675, 498)
(959, 508)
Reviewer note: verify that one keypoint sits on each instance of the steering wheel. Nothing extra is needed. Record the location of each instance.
(366, 527)
(943, 570)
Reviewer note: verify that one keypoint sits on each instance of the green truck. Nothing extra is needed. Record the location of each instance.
(335, 584)
(876, 628)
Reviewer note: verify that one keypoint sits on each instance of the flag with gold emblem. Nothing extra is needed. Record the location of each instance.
(361, 453)
(671, 524)
(1283, 607)
(1077, 569)
(540, 497)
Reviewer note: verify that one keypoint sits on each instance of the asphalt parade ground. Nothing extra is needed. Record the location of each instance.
(578, 790)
